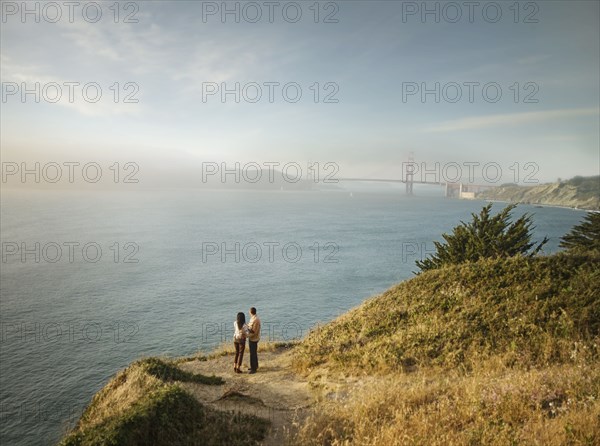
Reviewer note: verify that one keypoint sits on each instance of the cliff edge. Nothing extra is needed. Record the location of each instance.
(494, 352)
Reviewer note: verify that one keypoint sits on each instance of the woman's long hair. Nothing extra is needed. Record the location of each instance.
(241, 320)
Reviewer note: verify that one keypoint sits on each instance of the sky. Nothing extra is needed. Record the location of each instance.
(361, 68)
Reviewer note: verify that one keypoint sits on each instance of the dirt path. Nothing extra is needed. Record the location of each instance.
(274, 392)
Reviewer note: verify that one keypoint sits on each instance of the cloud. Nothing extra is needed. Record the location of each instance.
(32, 77)
(92, 40)
(511, 119)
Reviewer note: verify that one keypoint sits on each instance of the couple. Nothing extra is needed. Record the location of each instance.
(251, 330)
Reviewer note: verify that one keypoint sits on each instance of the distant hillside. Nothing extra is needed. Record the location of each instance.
(578, 192)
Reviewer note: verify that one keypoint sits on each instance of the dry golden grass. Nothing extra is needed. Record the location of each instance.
(495, 352)
(556, 405)
(530, 311)
(127, 387)
(145, 405)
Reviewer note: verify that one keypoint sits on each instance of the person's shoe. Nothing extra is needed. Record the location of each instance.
(239, 371)
(251, 372)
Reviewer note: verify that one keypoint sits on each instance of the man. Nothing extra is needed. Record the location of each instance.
(253, 338)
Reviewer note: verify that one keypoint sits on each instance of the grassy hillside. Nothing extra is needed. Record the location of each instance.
(579, 192)
(494, 352)
(144, 405)
(529, 310)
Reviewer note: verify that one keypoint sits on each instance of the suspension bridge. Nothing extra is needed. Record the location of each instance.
(453, 189)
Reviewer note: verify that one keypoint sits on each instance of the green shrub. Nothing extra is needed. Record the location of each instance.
(486, 236)
(584, 236)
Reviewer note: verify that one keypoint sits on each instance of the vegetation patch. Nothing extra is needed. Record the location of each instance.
(585, 236)
(143, 405)
(168, 371)
(484, 347)
(530, 311)
(496, 406)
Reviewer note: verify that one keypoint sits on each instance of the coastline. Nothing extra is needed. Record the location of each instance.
(297, 393)
(150, 338)
(544, 205)
(580, 193)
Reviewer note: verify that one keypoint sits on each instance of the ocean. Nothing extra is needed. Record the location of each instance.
(92, 280)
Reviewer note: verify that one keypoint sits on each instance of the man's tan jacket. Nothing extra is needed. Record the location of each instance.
(254, 325)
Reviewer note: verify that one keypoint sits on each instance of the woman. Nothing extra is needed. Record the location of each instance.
(239, 340)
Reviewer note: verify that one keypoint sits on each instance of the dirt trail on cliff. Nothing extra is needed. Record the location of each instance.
(275, 392)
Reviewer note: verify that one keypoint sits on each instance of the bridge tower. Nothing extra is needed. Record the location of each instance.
(409, 172)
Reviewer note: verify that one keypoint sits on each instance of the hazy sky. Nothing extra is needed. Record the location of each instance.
(374, 53)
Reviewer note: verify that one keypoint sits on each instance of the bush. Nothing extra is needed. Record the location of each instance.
(584, 236)
(486, 236)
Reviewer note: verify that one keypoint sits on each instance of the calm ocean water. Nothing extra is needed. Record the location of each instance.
(174, 269)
